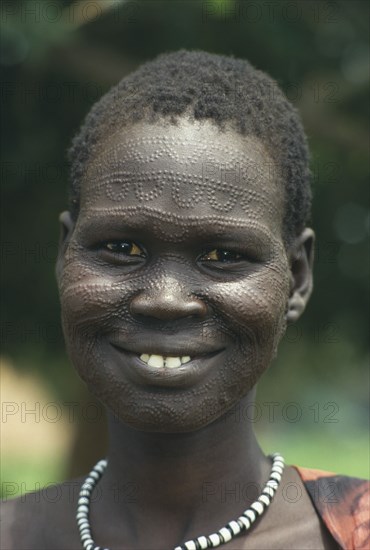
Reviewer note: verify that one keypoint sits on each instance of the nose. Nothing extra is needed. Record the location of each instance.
(167, 301)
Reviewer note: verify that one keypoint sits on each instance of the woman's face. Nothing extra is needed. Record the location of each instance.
(177, 252)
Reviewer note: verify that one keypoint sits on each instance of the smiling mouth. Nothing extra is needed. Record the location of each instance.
(162, 361)
(170, 368)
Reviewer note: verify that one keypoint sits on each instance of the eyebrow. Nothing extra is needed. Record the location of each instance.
(129, 218)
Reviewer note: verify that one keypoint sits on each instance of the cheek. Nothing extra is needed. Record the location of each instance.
(255, 306)
(253, 312)
(91, 306)
(253, 309)
(87, 297)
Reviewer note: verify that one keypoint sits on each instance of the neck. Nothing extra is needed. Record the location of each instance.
(198, 479)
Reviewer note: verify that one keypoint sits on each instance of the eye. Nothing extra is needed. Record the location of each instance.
(222, 255)
(127, 248)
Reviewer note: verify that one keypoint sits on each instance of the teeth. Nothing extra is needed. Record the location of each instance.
(156, 361)
(160, 361)
(172, 362)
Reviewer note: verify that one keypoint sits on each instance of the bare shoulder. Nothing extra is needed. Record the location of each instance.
(22, 522)
(41, 520)
(7, 519)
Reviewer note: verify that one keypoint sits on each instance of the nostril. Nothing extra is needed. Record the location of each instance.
(167, 306)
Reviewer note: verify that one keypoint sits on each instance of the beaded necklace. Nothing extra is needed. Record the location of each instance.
(224, 535)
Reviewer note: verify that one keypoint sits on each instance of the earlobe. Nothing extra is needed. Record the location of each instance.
(66, 226)
(300, 256)
(66, 229)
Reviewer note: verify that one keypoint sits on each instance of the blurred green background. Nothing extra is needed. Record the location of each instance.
(57, 59)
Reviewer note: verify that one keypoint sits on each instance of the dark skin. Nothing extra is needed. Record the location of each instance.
(178, 250)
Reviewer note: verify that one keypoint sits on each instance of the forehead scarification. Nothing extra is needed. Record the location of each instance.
(116, 156)
(185, 190)
(186, 171)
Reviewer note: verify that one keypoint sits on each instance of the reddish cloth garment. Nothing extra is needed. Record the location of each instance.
(343, 503)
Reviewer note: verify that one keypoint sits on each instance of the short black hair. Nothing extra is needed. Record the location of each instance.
(228, 91)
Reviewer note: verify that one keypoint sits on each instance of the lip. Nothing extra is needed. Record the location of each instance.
(184, 376)
(166, 345)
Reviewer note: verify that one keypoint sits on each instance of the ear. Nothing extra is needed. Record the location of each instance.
(66, 229)
(300, 256)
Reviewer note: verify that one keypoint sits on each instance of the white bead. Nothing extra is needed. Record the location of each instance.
(90, 481)
(269, 491)
(215, 539)
(265, 499)
(83, 500)
(83, 508)
(275, 475)
(226, 534)
(203, 542)
(83, 526)
(235, 527)
(245, 521)
(258, 507)
(190, 545)
(278, 463)
(250, 515)
(277, 469)
(272, 483)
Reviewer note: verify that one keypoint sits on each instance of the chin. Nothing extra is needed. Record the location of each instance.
(162, 417)
(159, 421)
